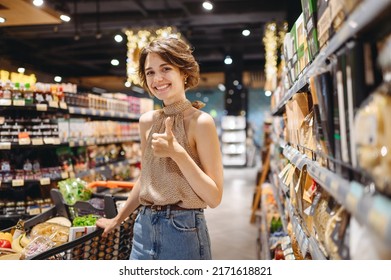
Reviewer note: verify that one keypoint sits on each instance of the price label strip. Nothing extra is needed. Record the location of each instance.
(18, 183)
(44, 181)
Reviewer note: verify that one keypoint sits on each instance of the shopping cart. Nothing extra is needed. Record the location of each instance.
(90, 246)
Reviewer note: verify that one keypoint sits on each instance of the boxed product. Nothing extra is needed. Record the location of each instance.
(309, 8)
(324, 22)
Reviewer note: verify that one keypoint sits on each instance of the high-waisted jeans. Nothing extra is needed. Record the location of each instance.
(170, 235)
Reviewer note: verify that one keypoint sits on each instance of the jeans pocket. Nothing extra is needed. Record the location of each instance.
(183, 221)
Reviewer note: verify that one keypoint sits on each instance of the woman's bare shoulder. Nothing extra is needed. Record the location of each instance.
(203, 119)
(148, 117)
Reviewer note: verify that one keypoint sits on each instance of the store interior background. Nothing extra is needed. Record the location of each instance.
(80, 50)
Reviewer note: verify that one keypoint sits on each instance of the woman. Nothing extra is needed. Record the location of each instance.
(181, 163)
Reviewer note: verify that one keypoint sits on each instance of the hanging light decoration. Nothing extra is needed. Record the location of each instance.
(270, 42)
(137, 39)
(273, 41)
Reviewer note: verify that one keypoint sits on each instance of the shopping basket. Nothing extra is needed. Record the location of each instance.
(90, 246)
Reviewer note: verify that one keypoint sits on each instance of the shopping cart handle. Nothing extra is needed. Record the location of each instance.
(111, 184)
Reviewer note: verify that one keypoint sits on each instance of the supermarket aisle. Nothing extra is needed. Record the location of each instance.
(232, 235)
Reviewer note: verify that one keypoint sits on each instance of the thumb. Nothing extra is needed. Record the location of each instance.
(168, 123)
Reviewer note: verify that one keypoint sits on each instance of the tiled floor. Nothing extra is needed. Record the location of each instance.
(232, 235)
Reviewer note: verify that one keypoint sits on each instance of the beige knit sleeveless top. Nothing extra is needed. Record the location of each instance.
(162, 182)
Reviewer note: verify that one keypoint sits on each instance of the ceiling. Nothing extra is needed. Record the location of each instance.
(52, 48)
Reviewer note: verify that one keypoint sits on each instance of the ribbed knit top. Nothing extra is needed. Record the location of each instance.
(162, 182)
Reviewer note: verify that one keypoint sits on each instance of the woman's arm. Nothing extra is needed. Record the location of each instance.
(133, 199)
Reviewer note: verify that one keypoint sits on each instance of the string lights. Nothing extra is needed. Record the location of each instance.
(137, 39)
(273, 40)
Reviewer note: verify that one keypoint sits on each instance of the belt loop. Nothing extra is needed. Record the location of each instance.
(168, 212)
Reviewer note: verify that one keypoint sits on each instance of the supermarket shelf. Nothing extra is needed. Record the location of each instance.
(276, 187)
(17, 183)
(53, 106)
(264, 232)
(106, 168)
(362, 16)
(105, 140)
(372, 210)
(301, 237)
(314, 249)
(31, 143)
(103, 113)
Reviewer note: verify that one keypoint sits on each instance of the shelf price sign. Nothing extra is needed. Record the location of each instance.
(18, 183)
(44, 181)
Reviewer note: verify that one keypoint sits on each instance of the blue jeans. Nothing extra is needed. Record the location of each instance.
(170, 235)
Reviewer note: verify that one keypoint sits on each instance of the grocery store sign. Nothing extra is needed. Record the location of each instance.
(17, 77)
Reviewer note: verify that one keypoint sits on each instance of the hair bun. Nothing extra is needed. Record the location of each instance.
(198, 104)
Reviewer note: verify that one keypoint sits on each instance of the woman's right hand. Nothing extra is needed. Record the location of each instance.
(107, 224)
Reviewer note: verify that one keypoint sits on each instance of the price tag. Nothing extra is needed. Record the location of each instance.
(81, 143)
(93, 112)
(71, 174)
(37, 141)
(19, 102)
(64, 175)
(5, 102)
(101, 112)
(18, 183)
(92, 172)
(63, 105)
(44, 181)
(56, 141)
(111, 166)
(121, 114)
(2, 120)
(5, 146)
(53, 104)
(71, 144)
(42, 107)
(48, 140)
(112, 113)
(90, 142)
(71, 110)
(83, 111)
(102, 168)
(24, 141)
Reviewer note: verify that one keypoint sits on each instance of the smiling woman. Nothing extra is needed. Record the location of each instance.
(182, 171)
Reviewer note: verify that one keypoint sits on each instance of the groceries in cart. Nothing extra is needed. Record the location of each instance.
(68, 230)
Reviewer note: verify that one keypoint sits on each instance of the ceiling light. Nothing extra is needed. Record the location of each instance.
(228, 60)
(114, 62)
(268, 93)
(246, 32)
(207, 5)
(65, 18)
(57, 79)
(38, 3)
(118, 38)
(2, 20)
(21, 70)
(221, 87)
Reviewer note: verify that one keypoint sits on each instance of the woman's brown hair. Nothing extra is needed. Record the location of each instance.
(175, 52)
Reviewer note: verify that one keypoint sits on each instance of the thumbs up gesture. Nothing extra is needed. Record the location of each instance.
(165, 144)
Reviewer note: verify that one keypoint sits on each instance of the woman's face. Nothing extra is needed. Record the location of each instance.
(164, 80)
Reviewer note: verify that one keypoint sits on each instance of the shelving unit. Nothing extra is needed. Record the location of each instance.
(24, 187)
(233, 139)
(369, 207)
(364, 14)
